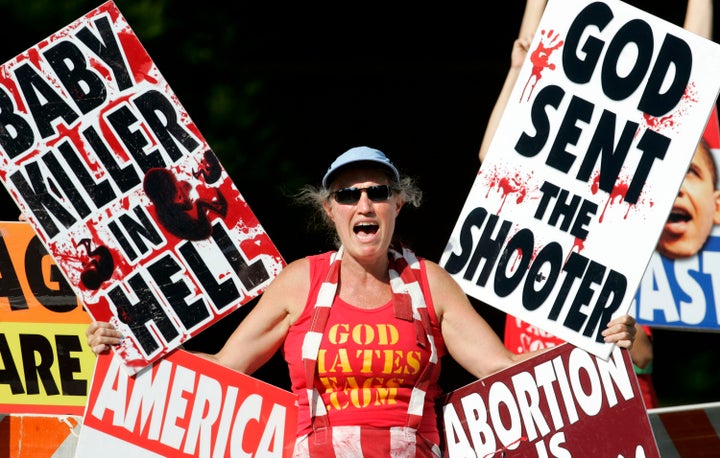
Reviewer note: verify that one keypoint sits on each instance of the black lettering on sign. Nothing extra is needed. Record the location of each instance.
(9, 374)
(675, 57)
(66, 185)
(101, 193)
(106, 47)
(251, 274)
(488, 247)
(221, 294)
(54, 292)
(10, 286)
(16, 134)
(531, 145)
(132, 135)
(125, 178)
(589, 273)
(175, 291)
(45, 113)
(583, 52)
(141, 229)
(140, 315)
(587, 284)
(566, 210)
(160, 114)
(34, 192)
(82, 83)
(612, 156)
(68, 365)
(38, 358)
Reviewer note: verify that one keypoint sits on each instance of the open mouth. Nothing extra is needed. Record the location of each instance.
(678, 216)
(366, 228)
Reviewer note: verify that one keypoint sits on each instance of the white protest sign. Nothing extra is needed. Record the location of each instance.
(124, 191)
(584, 167)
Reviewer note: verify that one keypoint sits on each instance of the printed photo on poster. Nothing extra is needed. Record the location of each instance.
(678, 290)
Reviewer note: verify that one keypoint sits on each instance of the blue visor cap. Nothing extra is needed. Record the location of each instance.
(357, 155)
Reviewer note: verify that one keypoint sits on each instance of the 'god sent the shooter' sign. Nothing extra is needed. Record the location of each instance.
(584, 167)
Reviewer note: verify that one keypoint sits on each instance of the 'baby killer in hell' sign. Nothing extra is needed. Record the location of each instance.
(584, 167)
(123, 189)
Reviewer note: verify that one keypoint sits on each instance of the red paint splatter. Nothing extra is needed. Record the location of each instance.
(137, 57)
(507, 183)
(617, 196)
(101, 68)
(673, 120)
(540, 58)
(579, 244)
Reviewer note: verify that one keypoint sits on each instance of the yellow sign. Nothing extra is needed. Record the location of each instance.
(45, 364)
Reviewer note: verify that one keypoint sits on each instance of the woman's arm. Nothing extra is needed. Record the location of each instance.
(699, 17)
(473, 343)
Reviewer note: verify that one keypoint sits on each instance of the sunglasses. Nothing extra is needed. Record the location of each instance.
(350, 196)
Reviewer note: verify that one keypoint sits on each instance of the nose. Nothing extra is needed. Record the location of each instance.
(364, 203)
(681, 191)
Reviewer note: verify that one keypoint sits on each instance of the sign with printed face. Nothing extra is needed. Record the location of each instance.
(582, 172)
(681, 285)
(564, 402)
(185, 406)
(124, 191)
(681, 293)
(45, 364)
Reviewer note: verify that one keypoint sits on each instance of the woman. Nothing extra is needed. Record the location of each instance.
(363, 328)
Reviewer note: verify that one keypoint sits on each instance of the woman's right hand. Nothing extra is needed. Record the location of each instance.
(101, 335)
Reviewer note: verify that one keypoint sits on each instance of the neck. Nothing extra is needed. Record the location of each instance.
(365, 283)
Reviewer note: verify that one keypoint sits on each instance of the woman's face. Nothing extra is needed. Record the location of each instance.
(695, 211)
(365, 227)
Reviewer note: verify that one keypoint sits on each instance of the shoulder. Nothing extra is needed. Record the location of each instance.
(292, 272)
(435, 272)
(288, 290)
(442, 284)
(292, 285)
(446, 292)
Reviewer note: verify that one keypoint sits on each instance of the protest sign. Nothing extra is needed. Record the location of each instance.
(680, 292)
(46, 365)
(124, 191)
(563, 402)
(185, 405)
(34, 436)
(584, 167)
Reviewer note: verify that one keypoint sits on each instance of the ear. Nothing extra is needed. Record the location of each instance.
(327, 206)
(716, 215)
(398, 206)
